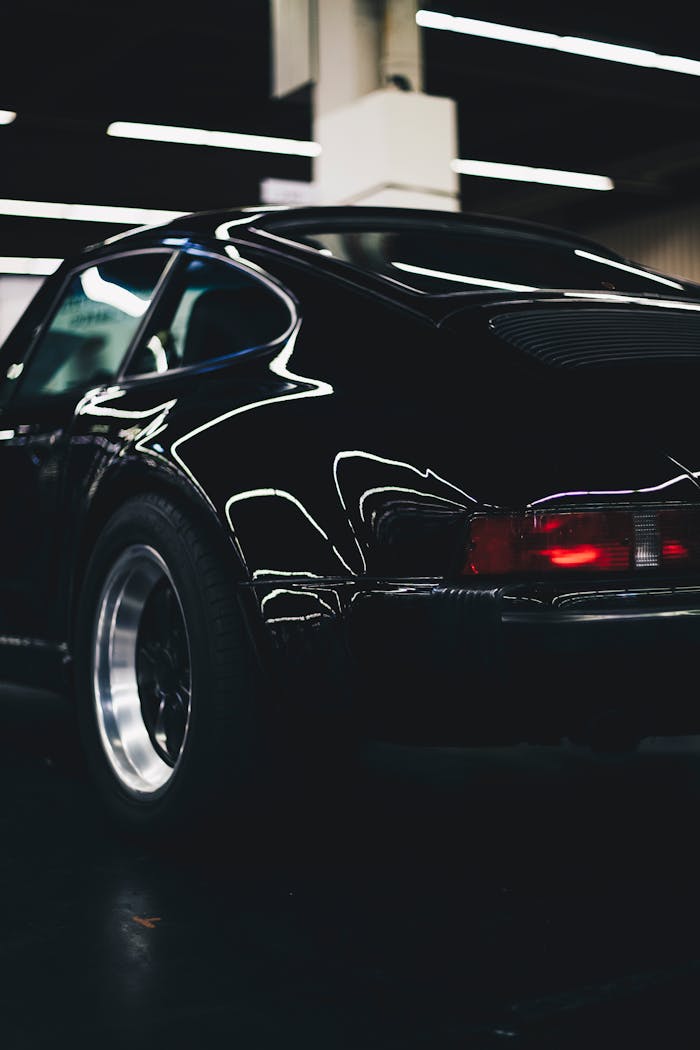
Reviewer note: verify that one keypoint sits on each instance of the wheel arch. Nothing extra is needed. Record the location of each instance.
(119, 486)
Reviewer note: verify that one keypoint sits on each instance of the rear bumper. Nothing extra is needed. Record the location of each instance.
(528, 662)
(605, 604)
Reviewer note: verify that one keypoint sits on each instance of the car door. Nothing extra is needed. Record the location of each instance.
(78, 344)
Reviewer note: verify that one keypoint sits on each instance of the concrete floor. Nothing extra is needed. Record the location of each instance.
(533, 898)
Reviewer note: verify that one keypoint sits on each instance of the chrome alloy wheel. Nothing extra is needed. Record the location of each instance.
(141, 672)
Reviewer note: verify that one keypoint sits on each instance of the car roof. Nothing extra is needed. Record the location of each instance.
(249, 221)
(275, 226)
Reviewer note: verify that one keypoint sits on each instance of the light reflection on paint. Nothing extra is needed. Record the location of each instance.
(290, 243)
(397, 488)
(638, 300)
(149, 432)
(262, 573)
(92, 404)
(627, 268)
(282, 494)
(614, 492)
(459, 278)
(426, 475)
(278, 365)
(233, 253)
(222, 231)
(278, 591)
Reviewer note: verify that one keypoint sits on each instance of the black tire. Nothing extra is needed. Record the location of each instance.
(219, 748)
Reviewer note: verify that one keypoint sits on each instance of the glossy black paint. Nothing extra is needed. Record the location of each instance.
(338, 468)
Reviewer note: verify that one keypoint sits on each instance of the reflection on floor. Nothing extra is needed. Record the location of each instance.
(541, 898)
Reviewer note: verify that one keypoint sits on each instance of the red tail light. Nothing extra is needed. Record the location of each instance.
(546, 542)
(679, 533)
(588, 541)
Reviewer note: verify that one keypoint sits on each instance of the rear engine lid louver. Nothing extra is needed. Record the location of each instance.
(596, 338)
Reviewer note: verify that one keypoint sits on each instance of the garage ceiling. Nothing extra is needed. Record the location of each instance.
(69, 71)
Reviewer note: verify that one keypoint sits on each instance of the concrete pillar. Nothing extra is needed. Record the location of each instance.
(347, 36)
(15, 295)
(389, 147)
(402, 58)
(383, 141)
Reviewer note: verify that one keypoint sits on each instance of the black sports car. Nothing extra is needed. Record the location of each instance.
(344, 473)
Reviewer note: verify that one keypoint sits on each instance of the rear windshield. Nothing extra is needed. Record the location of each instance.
(439, 261)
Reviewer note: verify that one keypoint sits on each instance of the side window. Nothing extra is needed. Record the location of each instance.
(212, 309)
(92, 329)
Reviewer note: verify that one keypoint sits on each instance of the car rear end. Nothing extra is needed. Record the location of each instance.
(571, 607)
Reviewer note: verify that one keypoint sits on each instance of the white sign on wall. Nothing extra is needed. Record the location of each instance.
(293, 192)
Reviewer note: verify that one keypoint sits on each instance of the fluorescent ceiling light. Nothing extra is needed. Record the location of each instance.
(7, 116)
(28, 267)
(480, 282)
(628, 269)
(87, 212)
(522, 173)
(224, 139)
(572, 45)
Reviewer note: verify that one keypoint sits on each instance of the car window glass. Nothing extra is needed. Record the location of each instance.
(96, 320)
(473, 259)
(212, 310)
